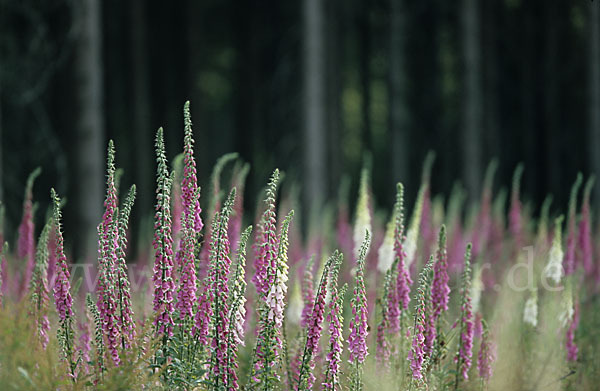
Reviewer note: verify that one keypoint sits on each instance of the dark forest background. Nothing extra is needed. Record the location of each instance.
(310, 86)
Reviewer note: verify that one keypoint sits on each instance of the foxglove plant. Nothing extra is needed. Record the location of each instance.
(269, 343)
(107, 263)
(218, 277)
(585, 236)
(214, 205)
(382, 353)
(306, 377)
(163, 246)
(237, 307)
(440, 292)
(26, 243)
(62, 293)
(418, 351)
(465, 341)
(266, 246)
(189, 186)
(431, 334)
(357, 340)
(98, 337)
(336, 321)
(39, 287)
(400, 292)
(554, 267)
(362, 221)
(486, 355)
(186, 294)
(569, 261)
(125, 319)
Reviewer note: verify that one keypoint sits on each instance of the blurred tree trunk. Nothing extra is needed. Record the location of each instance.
(472, 102)
(89, 125)
(334, 58)
(314, 103)
(594, 100)
(490, 90)
(364, 41)
(551, 107)
(143, 163)
(399, 119)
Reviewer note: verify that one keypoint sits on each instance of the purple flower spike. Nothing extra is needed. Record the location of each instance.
(399, 297)
(357, 340)
(419, 348)
(463, 356)
(163, 245)
(191, 203)
(186, 295)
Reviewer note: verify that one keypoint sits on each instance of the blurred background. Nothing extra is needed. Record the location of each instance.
(313, 87)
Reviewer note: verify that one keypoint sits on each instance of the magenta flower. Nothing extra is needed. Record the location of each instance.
(62, 291)
(163, 245)
(440, 291)
(203, 316)
(186, 294)
(238, 309)
(62, 284)
(463, 356)
(125, 319)
(336, 339)
(306, 377)
(569, 260)
(107, 262)
(266, 246)
(572, 349)
(191, 203)
(417, 352)
(419, 348)
(357, 340)
(269, 344)
(218, 278)
(399, 295)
